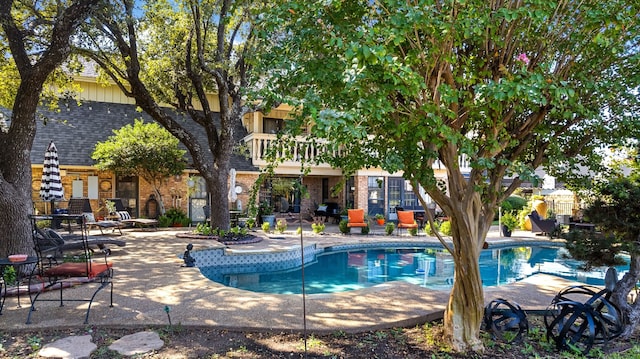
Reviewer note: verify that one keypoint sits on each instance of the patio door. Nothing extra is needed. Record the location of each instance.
(127, 191)
(375, 195)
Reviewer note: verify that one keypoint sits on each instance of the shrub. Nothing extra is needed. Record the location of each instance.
(317, 227)
(266, 226)
(364, 230)
(203, 229)
(281, 226)
(445, 228)
(174, 216)
(389, 228)
(299, 230)
(429, 231)
(344, 229)
(510, 221)
(412, 231)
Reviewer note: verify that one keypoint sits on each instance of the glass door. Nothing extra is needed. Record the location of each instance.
(127, 191)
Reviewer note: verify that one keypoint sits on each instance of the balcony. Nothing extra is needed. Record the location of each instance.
(260, 144)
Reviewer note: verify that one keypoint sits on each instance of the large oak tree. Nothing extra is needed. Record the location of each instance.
(35, 42)
(510, 85)
(179, 53)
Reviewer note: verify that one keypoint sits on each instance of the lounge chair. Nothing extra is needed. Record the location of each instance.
(543, 226)
(356, 218)
(55, 273)
(51, 241)
(406, 220)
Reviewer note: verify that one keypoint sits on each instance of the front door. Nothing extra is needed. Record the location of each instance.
(127, 191)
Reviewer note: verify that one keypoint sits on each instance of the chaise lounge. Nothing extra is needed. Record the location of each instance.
(542, 226)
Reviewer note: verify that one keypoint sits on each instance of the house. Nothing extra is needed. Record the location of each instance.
(76, 129)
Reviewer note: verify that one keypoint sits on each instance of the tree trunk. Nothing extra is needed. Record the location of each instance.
(218, 190)
(15, 173)
(464, 312)
(630, 311)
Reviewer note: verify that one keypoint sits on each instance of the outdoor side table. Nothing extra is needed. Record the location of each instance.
(5, 262)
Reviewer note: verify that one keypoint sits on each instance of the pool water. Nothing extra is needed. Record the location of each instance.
(432, 268)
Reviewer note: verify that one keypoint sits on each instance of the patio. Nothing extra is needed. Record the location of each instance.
(149, 277)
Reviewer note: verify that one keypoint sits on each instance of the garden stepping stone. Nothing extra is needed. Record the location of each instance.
(137, 343)
(73, 347)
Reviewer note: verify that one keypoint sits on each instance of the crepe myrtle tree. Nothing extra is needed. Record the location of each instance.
(191, 55)
(141, 149)
(509, 86)
(34, 42)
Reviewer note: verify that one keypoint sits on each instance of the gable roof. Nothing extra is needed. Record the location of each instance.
(76, 130)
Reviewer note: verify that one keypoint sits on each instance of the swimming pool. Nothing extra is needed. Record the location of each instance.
(339, 271)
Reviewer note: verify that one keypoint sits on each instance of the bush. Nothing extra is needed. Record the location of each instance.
(344, 229)
(281, 226)
(445, 228)
(364, 230)
(431, 232)
(317, 227)
(266, 226)
(174, 217)
(412, 231)
(389, 228)
(513, 203)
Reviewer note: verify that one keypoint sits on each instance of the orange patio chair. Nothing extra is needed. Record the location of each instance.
(406, 220)
(356, 218)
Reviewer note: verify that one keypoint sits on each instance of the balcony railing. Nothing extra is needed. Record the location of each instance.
(260, 144)
(303, 150)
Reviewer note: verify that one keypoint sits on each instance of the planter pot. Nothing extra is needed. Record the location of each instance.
(541, 207)
(505, 231)
(380, 222)
(269, 218)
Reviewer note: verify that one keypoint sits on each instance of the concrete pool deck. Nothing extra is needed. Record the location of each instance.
(149, 277)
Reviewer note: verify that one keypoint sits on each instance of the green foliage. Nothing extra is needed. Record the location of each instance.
(379, 216)
(265, 208)
(445, 228)
(509, 220)
(266, 226)
(389, 228)
(173, 217)
(299, 230)
(10, 276)
(344, 229)
(281, 226)
(595, 249)
(317, 227)
(413, 231)
(142, 149)
(203, 229)
(513, 203)
(429, 231)
(251, 223)
(614, 208)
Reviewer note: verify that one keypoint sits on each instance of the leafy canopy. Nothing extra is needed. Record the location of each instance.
(142, 149)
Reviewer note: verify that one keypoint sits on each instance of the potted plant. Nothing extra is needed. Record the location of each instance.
(380, 219)
(266, 211)
(509, 223)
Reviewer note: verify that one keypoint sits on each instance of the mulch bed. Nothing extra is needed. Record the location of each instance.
(226, 240)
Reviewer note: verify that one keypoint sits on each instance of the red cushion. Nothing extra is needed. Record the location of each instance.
(77, 269)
